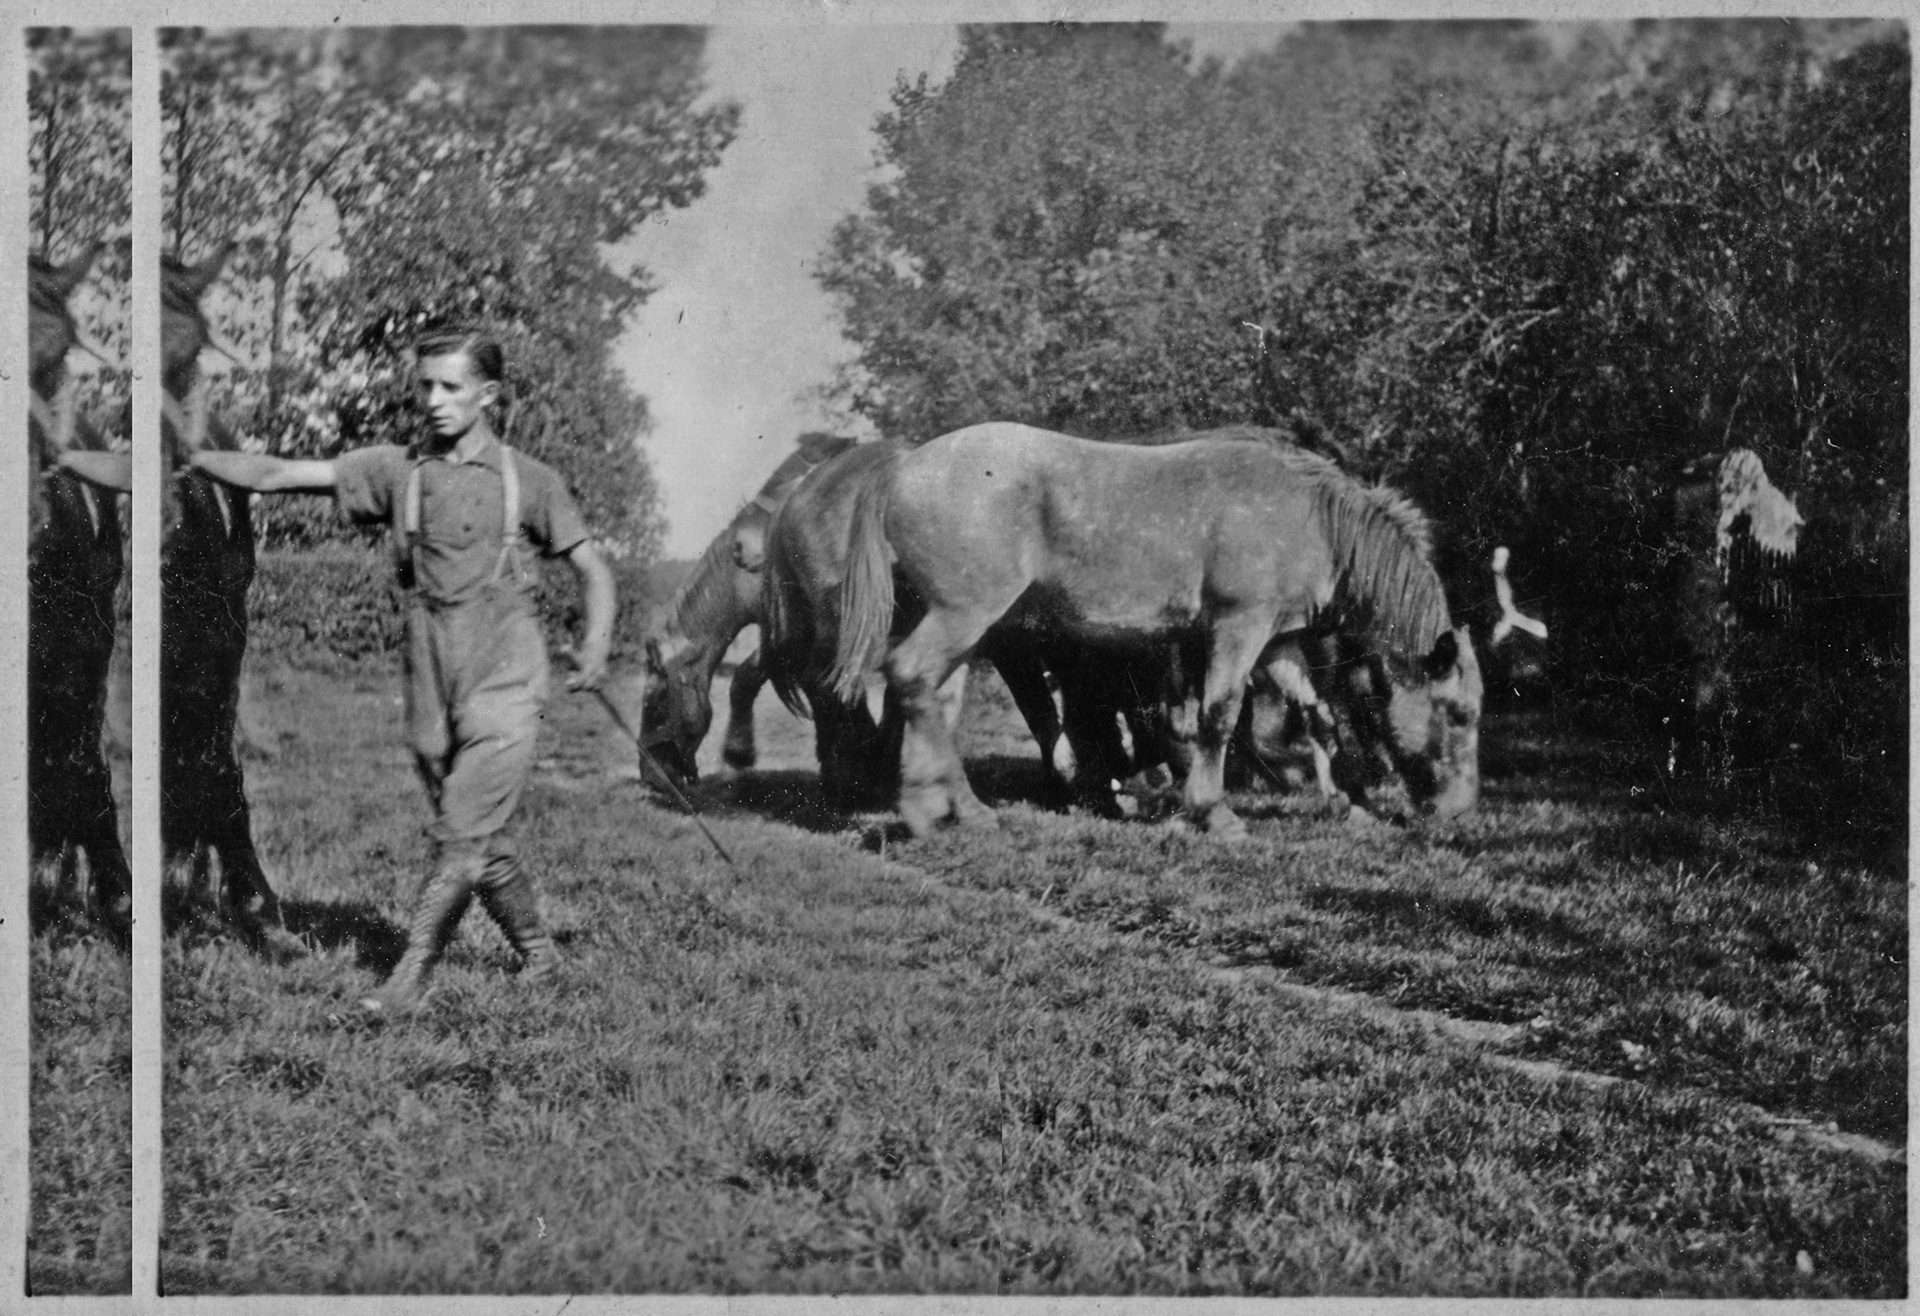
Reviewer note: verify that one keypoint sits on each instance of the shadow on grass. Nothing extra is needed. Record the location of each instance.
(309, 925)
(1477, 917)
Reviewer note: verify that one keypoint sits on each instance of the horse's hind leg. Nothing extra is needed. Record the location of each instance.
(1025, 677)
(933, 783)
(738, 750)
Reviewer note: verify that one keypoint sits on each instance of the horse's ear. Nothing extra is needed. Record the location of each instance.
(65, 278)
(198, 278)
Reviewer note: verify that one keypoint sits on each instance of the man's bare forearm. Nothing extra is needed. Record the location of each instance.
(109, 470)
(263, 474)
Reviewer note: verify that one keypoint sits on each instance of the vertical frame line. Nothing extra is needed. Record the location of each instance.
(15, 860)
(148, 1015)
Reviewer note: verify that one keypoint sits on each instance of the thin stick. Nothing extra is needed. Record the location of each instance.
(620, 720)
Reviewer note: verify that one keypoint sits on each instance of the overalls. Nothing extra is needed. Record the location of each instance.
(476, 685)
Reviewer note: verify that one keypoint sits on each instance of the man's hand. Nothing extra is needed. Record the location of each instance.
(590, 667)
(596, 583)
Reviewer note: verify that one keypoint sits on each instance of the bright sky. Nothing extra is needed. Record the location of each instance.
(738, 338)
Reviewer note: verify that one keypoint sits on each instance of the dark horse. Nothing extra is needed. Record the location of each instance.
(719, 599)
(74, 568)
(1230, 553)
(206, 568)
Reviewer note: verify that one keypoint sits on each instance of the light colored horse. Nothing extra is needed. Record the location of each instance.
(1224, 550)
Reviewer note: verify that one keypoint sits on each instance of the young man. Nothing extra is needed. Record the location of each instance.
(460, 503)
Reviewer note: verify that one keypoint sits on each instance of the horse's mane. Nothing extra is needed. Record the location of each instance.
(1382, 548)
(704, 600)
(705, 595)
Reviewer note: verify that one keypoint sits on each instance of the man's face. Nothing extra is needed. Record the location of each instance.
(452, 392)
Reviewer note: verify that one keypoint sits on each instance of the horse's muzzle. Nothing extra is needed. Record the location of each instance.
(679, 766)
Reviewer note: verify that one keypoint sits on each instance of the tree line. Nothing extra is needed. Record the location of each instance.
(1527, 273)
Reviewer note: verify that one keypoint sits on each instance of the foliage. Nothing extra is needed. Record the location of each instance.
(80, 193)
(378, 180)
(1526, 272)
(80, 1092)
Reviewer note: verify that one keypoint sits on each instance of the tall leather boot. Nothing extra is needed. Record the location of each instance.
(441, 904)
(515, 905)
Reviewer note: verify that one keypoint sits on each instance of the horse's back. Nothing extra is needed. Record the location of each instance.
(1107, 539)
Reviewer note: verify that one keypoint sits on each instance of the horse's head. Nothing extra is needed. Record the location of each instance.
(1433, 726)
(676, 712)
(184, 328)
(52, 332)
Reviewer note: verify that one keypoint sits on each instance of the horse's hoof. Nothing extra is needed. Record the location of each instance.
(738, 760)
(978, 817)
(920, 818)
(1226, 825)
(1361, 821)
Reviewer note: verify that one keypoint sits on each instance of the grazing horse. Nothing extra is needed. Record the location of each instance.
(1223, 550)
(720, 599)
(806, 553)
(206, 568)
(74, 567)
(1079, 741)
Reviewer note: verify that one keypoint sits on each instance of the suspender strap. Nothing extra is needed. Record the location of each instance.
(407, 514)
(509, 561)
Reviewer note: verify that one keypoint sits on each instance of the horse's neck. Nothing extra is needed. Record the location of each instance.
(702, 655)
(188, 414)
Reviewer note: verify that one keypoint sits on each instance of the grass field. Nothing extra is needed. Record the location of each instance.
(1071, 1056)
(80, 1097)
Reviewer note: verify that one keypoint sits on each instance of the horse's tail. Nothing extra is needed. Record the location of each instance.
(866, 592)
(783, 626)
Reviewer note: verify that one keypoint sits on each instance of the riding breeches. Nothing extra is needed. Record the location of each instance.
(476, 687)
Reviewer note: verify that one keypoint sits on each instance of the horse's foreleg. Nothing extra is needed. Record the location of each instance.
(1287, 670)
(1092, 694)
(738, 749)
(1234, 652)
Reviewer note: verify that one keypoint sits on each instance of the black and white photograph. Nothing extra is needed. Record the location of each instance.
(78, 743)
(1069, 659)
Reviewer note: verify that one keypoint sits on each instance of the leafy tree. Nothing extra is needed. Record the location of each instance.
(1058, 242)
(396, 176)
(1527, 273)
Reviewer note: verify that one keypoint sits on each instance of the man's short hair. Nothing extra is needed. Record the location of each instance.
(471, 341)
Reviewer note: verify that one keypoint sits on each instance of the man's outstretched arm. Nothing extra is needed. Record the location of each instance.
(263, 474)
(109, 470)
